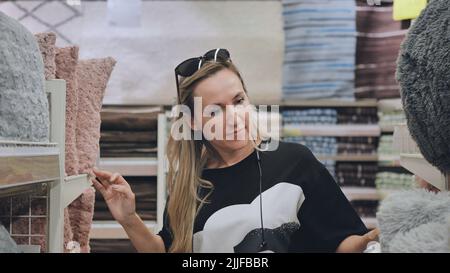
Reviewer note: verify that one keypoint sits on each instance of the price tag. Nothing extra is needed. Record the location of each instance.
(408, 9)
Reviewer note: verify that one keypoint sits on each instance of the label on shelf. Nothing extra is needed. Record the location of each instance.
(408, 9)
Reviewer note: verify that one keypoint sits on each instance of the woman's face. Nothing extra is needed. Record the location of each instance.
(225, 105)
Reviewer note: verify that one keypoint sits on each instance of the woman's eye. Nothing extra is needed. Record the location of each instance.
(240, 101)
(214, 113)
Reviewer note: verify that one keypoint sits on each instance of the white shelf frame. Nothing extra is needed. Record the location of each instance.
(130, 166)
(59, 195)
(104, 229)
(113, 230)
(337, 130)
(161, 196)
(360, 193)
(349, 157)
(412, 160)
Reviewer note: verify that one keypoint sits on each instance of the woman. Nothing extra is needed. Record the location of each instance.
(228, 195)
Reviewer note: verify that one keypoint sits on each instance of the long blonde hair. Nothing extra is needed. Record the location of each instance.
(187, 159)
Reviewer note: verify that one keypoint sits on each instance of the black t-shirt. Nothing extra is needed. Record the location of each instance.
(303, 208)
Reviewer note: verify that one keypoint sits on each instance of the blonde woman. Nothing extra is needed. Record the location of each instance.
(229, 195)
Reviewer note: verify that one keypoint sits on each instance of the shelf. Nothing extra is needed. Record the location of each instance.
(74, 186)
(360, 193)
(417, 164)
(389, 161)
(387, 128)
(130, 166)
(370, 222)
(23, 163)
(329, 103)
(383, 193)
(113, 230)
(389, 105)
(349, 157)
(331, 130)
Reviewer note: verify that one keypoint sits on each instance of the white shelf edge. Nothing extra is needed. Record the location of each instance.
(74, 186)
(328, 103)
(331, 130)
(386, 105)
(389, 160)
(386, 192)
(129, 166)
(387, 128)
(360, 193)
(113, 230)
(349, 157)
(417, 164)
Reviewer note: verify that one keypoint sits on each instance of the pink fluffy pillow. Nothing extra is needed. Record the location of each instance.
(66, 60)
(92, 77)
(46, 42)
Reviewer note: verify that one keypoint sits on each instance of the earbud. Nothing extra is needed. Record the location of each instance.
(263, 245)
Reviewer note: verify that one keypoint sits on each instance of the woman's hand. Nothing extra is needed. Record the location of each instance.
(118, 195)
(357, 244)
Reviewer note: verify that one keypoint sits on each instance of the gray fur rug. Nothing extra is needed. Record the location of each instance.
(415, 221)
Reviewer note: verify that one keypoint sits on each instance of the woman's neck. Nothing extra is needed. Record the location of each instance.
(229, 158)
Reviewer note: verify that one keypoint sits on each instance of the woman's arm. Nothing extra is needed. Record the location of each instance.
(142, 239)
(357, 244)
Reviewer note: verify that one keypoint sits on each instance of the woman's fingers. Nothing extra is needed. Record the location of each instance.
(123, 189)
(98, 186)
(372, 235)
(101, 174)
(117, 178)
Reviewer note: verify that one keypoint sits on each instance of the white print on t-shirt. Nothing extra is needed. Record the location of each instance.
(232, 228)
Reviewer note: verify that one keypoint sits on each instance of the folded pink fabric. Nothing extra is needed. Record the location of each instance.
(66, 60)
(68, 234)
(46, 42)
(92, 77)
(81, 212)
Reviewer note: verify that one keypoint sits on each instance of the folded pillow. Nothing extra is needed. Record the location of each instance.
(66, 60)
(46, 42)
(92, 77)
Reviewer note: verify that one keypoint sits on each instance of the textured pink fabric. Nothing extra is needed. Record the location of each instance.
(66, 60)
(68, 234)
(46, 42)
(92, 76)
(81, 213)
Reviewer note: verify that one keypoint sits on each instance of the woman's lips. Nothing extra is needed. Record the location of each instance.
(235, 133)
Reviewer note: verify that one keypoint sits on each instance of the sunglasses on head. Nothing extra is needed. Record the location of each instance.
(188, 67)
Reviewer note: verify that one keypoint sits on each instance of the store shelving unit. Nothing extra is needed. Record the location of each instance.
(412, 160)
(150, 167)
(333, 103)
(25, 164)
(130, 166)
(360, 193)
(339, 130)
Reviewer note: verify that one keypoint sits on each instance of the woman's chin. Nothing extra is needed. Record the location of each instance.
(236, 144)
